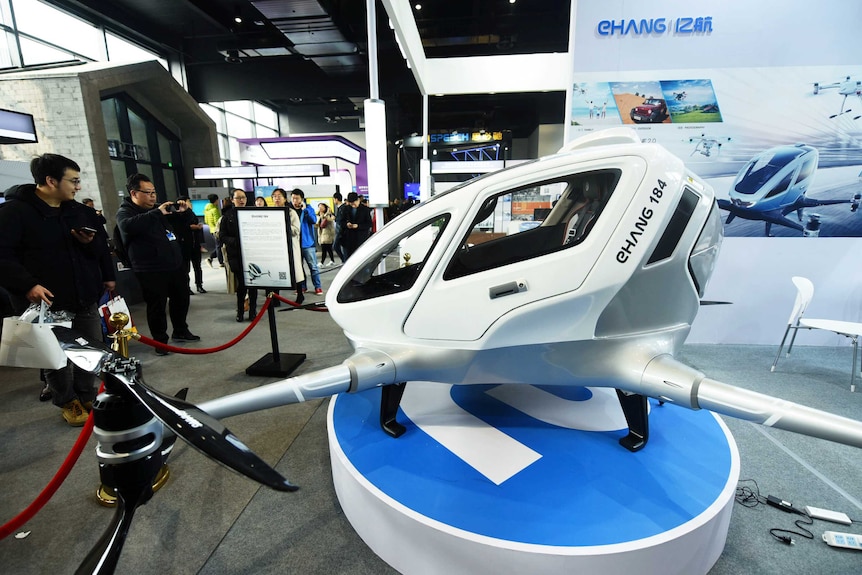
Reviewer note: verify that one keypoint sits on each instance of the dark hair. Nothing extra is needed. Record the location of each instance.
(182, 198)
(297, 192)
(51, 166)
(352, 197)
(213, 198)
(134, 181)
(280, 191)
(337, 196)
(325, 207)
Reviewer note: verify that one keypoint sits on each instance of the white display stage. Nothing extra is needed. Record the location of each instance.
(529, 479)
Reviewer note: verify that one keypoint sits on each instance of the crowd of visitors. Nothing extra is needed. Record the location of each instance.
(56, 249)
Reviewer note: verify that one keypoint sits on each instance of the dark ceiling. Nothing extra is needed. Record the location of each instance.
(309, 58)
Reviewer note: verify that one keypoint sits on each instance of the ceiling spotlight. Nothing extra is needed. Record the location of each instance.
(418, 6)
(238, 19)
(233, 57)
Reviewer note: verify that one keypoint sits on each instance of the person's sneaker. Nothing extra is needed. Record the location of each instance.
(74, 413)
(46, 394)
(160, 351)
(201, 289)
(187, 336)
(318, 291)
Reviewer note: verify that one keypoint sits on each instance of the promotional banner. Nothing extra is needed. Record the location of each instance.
(780, 142)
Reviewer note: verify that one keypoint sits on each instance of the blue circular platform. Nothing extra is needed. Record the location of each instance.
(514, 479)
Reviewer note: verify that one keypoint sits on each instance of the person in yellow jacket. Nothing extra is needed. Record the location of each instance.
(212, 214)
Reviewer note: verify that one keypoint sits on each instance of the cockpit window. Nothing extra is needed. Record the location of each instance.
(394, 268)
(527, 222)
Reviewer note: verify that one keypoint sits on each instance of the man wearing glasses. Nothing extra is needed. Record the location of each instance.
(157, 260)
(55, 250)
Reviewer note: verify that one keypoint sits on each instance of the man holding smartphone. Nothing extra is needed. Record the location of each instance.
(53, 250)
(156, 256)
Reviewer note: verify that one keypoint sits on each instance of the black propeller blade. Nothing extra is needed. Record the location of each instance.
(87, 354)
(103, 557)
(204, 432)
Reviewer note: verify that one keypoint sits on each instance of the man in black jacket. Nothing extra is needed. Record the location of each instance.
(191, 236)
(155, 253)
(355, 222)
(229, 235)
(54, 249)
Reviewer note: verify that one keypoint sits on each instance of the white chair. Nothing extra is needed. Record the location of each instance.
(849, 329)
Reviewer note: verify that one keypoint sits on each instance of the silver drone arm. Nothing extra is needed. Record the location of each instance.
(361, 368)
(667, 379)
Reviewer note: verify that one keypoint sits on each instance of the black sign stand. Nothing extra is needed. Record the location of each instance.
(275, 364)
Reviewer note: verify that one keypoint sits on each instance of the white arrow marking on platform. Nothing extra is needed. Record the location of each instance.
(488, 450)
(602, 412)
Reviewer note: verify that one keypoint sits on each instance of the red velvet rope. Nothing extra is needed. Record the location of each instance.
(234, 341)
(16, 522)
(199, 351)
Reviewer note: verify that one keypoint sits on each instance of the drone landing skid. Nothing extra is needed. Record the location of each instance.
(635, 410)
(390, 399)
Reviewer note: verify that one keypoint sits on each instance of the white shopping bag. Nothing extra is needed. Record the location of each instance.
(27, 344)
(116, 304)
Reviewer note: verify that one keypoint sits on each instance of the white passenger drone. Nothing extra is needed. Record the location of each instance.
(602, 293)
(774, 184)
(846, 87)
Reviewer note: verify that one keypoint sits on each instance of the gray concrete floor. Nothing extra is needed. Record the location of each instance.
(210, 520)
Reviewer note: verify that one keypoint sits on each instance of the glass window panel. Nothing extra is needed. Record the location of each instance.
(239, 107)
(222, 146)
(164, 149)
(146, 169)
(36, 53)
(139, 129)
(238, 127)
(390, 270)
(216, 115)
(120, 50)
(234, 151)
(533, 221)
(61, 29)
(170, 177)
(264, 132)
(265, 116)
(120, 176)
(109, 115)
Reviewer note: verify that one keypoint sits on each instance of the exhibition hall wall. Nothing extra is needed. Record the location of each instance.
(766, 106)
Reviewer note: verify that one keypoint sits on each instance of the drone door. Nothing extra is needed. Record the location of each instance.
(521, 245)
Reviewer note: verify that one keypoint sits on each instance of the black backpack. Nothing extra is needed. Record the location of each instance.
(120, 249)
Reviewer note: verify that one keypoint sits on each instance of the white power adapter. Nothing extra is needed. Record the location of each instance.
(827, 515)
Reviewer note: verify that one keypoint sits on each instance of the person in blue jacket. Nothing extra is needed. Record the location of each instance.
(308, 237)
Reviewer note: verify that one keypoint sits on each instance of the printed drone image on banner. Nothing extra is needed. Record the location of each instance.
(781, 147)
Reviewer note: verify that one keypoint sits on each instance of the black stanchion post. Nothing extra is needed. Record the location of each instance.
(275, 364)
